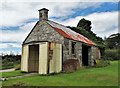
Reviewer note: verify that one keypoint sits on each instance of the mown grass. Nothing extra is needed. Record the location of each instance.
(12, 73)
(105, 76)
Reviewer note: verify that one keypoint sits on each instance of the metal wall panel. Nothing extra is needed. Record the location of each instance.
(43, 58)
(24, 60)
(56, 61)
(58, 58)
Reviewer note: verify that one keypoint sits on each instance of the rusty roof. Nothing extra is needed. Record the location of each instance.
(68, 33)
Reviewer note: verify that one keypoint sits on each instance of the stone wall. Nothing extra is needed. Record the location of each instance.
(92, 56)
(71, 65)
(66, 53)
(67, 50)
(78, 48)
(44, 32)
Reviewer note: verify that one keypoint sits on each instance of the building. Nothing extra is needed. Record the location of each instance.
(51, 48)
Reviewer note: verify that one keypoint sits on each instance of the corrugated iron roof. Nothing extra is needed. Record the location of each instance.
(68, 33)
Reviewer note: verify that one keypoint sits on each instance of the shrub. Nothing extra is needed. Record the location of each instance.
(9, 61)
(112, 54)
(7, 65)
(102, 63)
(17, 67)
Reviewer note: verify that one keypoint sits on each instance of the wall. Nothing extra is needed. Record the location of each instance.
(98, 54)
(43, 58)
(47, 64)
(78, 48)
(94, 53)
(67, 50)
(44, 32)
(24, 59)
(56, 60)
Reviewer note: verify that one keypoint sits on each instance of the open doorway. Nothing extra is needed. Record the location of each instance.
(33, 61)
(85, 55)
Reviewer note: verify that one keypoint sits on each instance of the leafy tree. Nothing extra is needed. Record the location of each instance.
(84, 28)
(113, 41)
(85, 24)
(9, 61)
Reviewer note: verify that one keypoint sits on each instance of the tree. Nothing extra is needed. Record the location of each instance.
(113, 41)
(85, 24)
(84, 28)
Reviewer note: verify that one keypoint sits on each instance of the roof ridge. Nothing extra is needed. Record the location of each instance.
(69, 28)
(57, 23)
(73, 35)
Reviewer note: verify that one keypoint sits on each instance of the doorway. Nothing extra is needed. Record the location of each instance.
(85, 57)
(33, 60)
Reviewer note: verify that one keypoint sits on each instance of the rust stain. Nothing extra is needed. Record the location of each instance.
(78, 37)
(68, 33)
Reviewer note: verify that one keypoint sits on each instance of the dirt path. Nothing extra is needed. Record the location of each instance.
(8, 70)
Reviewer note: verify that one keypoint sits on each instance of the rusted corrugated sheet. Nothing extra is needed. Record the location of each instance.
(68, 33)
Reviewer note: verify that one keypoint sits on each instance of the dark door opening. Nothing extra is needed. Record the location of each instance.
(33, 61)
(85, 55)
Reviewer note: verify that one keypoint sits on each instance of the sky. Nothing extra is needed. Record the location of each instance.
(18, 18)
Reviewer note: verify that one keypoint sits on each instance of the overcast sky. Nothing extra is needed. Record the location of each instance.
(18, 18)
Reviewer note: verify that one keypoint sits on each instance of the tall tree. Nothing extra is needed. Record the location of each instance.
(113, 41)
(84, 28)
(85, 24)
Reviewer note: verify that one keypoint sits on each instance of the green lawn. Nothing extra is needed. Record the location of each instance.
(13, 73)
(105, 76)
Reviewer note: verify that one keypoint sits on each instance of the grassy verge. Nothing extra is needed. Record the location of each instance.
(105, 76)
(13, 73)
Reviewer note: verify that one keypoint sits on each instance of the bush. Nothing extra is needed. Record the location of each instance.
(112, 54)
(17, 67)
(102, 63)
(7, 65)
(9, 61)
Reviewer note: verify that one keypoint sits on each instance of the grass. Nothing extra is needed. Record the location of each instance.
(12, 74)
(105, 76)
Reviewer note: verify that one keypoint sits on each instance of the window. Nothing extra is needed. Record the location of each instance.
(73, 47)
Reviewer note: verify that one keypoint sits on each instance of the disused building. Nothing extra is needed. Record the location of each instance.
(50, 46)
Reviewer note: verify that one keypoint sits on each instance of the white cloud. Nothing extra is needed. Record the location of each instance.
(15, 14)
(13, 39)
(9, 45)
(16, 35)
(103, 24)
(60, 1)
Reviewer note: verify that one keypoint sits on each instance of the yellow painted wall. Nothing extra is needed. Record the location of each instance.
(43, 58)
(55, 65)
(58, 57)
(56, 61)
(24, 60)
